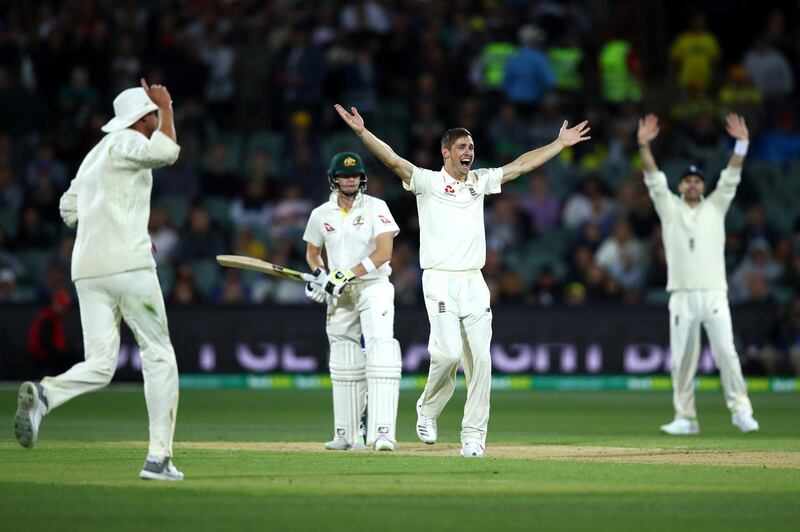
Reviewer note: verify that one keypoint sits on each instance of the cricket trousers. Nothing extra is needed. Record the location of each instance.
(461, 331)
(688, 309)
(134, 296)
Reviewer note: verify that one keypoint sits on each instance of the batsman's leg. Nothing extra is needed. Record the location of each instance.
(142, 306)
(347, 367)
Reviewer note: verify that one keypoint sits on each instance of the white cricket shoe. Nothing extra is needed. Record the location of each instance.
(340, 444)
(744, 422)
(472, 449)
(681, 426)
(383, 443)
(163, 469)
(31, 408)
(426, 427)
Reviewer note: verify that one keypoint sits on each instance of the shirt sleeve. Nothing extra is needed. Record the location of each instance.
(663, 199)
(420, 180)
(313, 234)
(68, 206)
(726, 188)
(382, 220)
(134, 151)
(489, 180)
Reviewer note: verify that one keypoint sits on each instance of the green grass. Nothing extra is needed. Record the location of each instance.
(76, 479)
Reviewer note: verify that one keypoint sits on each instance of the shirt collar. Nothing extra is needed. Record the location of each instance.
(450, 179)
(333, 200)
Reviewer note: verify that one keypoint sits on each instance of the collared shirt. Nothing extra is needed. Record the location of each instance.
(349, 237)
(452, 232)
(109, 200)
(694, 237)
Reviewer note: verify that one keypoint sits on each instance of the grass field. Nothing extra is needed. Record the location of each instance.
(557, 461)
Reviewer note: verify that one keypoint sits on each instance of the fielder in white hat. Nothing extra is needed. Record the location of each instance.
(115, 273)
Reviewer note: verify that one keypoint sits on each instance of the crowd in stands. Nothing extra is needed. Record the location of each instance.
(254, 82)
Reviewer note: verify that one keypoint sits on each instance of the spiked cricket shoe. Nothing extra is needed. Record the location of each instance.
(681, 426)
(31, 408)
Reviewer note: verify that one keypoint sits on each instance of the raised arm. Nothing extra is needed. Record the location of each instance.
(161, 97)
(379, 149)
(531, 160)
(737, 129)
(648, 130)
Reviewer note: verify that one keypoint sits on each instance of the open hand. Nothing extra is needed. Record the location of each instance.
(574, 135)
(648, 129)
(158, 93)
(355, 121)
(736, 127)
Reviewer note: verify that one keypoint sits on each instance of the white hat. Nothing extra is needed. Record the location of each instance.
(129, 106)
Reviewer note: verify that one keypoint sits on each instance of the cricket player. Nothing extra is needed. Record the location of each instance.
(115, 273)
(693, 228)
(357, 233)
(452, 253)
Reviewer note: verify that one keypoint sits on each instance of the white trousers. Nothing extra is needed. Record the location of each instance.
(461, 330)
(367, 308)
(688, 309)
(134, 296)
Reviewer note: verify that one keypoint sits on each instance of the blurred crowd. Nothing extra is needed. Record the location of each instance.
(254, 82)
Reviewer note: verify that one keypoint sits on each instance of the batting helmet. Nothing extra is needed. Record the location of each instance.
(349, 163)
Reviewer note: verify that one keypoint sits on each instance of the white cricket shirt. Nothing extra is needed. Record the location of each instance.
(694, 238)
(452, 232)
(350, 237)
(109, 200)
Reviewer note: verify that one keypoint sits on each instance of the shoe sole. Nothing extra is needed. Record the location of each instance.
(23, 428)
(149, 475)
(695, 433)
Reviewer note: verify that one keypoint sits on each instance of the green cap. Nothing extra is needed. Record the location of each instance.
(347, 162)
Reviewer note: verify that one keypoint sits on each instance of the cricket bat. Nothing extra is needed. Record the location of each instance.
(249, 263)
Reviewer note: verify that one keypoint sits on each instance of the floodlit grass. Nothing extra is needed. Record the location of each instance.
(83, 474)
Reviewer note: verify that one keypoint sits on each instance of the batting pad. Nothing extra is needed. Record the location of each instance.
(384, 365)
(347, 371)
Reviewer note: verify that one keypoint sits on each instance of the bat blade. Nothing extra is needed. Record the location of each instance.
(257, 265)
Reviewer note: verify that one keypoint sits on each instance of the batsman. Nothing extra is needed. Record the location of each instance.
(357, 233)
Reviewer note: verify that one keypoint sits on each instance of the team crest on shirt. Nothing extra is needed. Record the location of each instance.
(449, 190)
(328, 227)
(472, 191)
(384, 219)
(359, 221)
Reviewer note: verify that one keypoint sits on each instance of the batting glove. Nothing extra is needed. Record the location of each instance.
(337, 281)
(315, 290)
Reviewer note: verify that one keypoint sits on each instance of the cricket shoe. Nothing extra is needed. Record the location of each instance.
(31, 408)
(163, 469)
(426, 427)
(340, 444)
(681, 426)
(472, 449)
(383, 443)
(744, 422)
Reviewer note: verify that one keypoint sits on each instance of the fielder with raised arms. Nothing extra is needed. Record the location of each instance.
(357, 232)
(693, 229)
(115, 273)
(452, 253)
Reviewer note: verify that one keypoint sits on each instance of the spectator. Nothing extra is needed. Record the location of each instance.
(527, 75)
(543, 208)
(695, 53)
(202, 240)
(48, 344)
(252, 209)
(623, 257)
(164, 237)
(769, 70)
(588, 205)
(749, 281)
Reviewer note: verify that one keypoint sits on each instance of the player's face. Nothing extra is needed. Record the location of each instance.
(458, 159)
(691, 188)
(150, 123)
(348, 183)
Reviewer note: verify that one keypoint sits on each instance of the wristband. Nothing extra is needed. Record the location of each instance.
(368, 265)
(740, 148)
